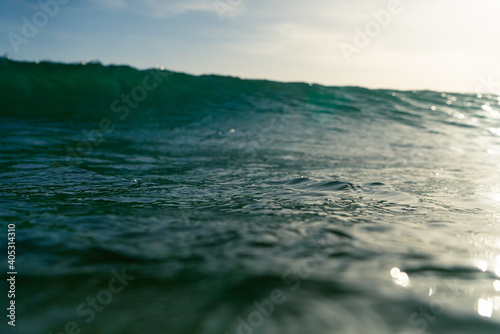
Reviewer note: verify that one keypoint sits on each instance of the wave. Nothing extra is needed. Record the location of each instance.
(86, 91)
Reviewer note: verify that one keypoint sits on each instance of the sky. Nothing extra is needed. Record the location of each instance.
(443, 45)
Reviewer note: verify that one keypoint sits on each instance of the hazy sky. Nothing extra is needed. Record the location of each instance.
(449, 45)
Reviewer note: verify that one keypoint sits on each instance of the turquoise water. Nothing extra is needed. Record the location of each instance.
(159, 202)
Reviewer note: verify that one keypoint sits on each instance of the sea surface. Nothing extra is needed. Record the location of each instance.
(148, 201)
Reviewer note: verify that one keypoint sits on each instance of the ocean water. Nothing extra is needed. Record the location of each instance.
(160, 202)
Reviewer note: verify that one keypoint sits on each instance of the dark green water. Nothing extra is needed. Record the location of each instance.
(217, 205)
